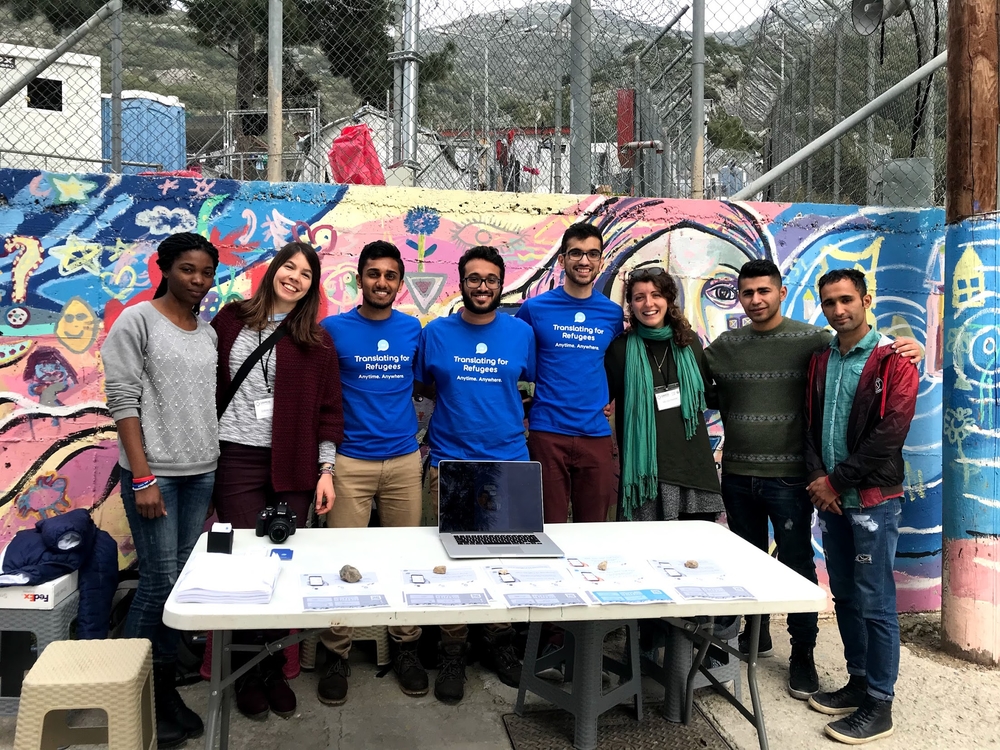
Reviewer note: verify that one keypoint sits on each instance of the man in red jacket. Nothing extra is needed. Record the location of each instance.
(860, 400)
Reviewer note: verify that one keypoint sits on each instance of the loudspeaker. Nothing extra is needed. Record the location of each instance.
(868, 15)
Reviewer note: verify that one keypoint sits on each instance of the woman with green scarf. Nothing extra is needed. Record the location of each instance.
(658, 380)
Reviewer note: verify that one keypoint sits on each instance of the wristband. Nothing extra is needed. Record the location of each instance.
(326, 471)
(137, 486)
(140, 480)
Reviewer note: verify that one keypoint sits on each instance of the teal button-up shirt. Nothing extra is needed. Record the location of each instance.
(843, 373)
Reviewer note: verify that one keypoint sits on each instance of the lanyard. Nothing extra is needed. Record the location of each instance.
(266, 361)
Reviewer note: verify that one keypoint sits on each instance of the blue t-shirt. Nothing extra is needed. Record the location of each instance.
(376, 380)
(478, 414)
(571, 336)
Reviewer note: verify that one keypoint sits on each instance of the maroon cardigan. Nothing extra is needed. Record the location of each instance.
(307, 407)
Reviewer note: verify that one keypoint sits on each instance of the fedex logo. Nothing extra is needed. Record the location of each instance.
(37, 597)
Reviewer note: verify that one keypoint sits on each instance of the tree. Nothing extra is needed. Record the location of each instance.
(64, 15)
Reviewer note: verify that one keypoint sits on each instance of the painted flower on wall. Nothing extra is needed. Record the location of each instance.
(958, 425)
(422, 221)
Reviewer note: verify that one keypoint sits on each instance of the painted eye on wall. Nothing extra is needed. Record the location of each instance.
(722, 292)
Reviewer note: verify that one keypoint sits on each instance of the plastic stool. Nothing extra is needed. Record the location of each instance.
(379, 634)
(583, 654)
(47, 625)
(113, 675)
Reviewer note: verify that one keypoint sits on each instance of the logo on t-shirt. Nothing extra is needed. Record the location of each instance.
(480, 348)
(383, 345)
(579, 318)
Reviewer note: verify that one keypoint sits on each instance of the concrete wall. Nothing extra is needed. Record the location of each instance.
(78, 248)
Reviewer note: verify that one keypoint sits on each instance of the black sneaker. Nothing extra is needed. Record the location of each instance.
(450, 683)
(332, 687)
(410, 673)
(764, 646)
(843, 701)
(499, 656)
(802, 678)
(872, 721)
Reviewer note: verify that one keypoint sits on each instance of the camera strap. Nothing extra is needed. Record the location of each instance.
(248, 364)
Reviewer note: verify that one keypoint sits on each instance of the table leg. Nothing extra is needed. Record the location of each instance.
(212, 718)
(758, 714)
(587, 688)
(227, 690)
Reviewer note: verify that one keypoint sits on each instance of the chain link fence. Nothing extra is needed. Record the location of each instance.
(502, 100)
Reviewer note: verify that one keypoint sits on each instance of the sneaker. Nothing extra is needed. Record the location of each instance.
(280, 696)
(410, 673)
(450, 683)
(764, 646)
(499, 656)
(872, 721)
(802, 678)
(554, 673)
(251, 697)
(332, 687)
(844, 701)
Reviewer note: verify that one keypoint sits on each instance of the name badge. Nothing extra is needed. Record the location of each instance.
(264, 408)
(667, 397)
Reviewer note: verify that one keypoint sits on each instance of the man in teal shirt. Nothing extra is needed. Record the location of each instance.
(860, 401)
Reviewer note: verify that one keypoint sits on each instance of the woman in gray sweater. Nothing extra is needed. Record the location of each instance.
(159, 364)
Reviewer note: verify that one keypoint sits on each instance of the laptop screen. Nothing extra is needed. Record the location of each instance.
(490, 496)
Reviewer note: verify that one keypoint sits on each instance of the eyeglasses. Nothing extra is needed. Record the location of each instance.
(577, 254)
(645, 272)
(475, 281)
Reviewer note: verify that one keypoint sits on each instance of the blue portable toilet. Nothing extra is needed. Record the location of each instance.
(153, 131)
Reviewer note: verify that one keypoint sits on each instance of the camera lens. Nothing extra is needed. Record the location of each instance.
(278, 531)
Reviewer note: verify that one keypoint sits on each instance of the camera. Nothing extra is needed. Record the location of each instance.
(277, 522)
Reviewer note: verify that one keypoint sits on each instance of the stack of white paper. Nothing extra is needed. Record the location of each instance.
(237, 579)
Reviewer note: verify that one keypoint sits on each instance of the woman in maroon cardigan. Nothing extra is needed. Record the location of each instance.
(280, 429)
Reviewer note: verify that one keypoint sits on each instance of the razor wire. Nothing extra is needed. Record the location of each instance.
(500, 102)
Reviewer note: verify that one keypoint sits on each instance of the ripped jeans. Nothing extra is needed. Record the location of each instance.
(860, 549)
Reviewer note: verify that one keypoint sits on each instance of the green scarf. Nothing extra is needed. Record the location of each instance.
(639, 471)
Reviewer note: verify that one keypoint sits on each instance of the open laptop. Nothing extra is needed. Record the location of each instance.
(492, 509)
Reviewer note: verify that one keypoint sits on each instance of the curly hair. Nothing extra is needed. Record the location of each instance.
(664, 282)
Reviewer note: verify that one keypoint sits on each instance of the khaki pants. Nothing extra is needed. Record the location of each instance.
(394, 484)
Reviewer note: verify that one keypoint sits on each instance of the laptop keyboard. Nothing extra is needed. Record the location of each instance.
(497, 539)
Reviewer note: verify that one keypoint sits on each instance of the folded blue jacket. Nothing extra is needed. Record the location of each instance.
(58, 546)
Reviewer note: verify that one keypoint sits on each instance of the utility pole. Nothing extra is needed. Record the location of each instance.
(580, 115)
(275, 46)
(970, 582)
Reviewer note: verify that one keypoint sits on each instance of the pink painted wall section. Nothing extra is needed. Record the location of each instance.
(77, 249)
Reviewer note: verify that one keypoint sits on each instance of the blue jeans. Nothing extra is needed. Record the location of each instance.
(162, 546)
(860, 550)
(750, 502)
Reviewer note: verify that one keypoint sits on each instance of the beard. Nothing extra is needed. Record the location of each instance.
(376, 303)
(472, 306)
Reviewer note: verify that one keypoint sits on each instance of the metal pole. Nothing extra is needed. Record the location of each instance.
(557, 96)
(60, 49)
(870, 186)
(812, 108)
(581, 119)
(116, 90)
(698, 100)
(840, 129)
(670, 24)
(490, 149)
(275, 46)
(411, 59)
(838, 35)
(397, 86)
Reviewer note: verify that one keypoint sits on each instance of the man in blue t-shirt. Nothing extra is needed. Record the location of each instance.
(474, 360)
(569, 434)
(379, 458)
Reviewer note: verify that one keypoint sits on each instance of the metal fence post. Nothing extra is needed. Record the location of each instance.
(275, 30)
(837, 94)
(581, 117)
(116, 90)
(698, 100)
(411, 35)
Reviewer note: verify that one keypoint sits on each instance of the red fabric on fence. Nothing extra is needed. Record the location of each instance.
(353, 159)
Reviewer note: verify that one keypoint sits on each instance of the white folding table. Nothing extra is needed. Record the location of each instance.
(777, 590)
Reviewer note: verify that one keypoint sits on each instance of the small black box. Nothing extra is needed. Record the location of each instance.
(220, 538)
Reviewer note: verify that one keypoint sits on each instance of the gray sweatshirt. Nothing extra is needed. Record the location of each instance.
(165, 376)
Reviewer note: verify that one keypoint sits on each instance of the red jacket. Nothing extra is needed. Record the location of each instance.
(883, 408)
(307, 408)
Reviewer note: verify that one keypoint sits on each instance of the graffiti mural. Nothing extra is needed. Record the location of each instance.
(971, 431)
(78, 249)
